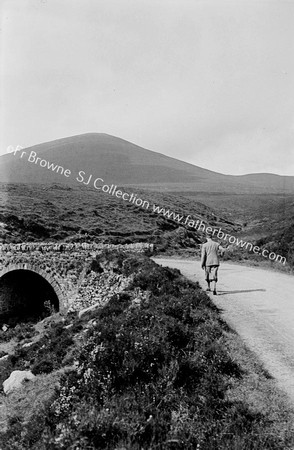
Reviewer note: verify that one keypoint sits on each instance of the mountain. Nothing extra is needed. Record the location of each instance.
(120, 162)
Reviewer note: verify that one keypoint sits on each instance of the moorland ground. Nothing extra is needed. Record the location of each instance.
(39, 203)
(71, 213)
(188, 380)
(155, 367)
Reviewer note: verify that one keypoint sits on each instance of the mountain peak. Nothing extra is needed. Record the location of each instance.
(120, 162)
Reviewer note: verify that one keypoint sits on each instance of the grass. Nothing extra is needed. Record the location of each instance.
(257, 389)
(156, 368)
(38, 213)
(59, 213)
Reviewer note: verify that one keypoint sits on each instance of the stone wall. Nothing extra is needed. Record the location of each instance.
(72, 247)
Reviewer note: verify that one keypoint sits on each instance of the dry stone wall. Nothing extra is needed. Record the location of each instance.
(72, 247)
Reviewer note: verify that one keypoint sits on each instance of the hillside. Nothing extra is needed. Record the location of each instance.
(154, 366)
(59, 213)
(39, 204)
(121, 162)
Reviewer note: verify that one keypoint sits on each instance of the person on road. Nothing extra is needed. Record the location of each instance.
(210, 253)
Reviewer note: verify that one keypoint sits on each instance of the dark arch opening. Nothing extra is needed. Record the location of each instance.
(26, 296)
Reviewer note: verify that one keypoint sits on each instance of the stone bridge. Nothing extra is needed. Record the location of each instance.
(56, 274)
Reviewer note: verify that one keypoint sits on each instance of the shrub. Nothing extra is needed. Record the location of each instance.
(42, 366)
(150, 376)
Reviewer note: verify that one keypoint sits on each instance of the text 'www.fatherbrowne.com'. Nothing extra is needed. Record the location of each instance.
(113, 190)
(199, 225)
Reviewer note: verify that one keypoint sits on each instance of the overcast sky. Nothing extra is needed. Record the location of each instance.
(208, 82)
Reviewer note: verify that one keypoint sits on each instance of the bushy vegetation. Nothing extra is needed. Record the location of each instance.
(18, 331)
(43, 356)
(152, 373)
(76, 214)
(281, 242)
(40, 213)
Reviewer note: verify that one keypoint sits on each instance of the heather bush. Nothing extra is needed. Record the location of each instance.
(43, 356)
(17, 331)
(153, 376)
(42, 366)
(150, 375)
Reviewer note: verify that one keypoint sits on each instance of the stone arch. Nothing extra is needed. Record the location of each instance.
(53, 282)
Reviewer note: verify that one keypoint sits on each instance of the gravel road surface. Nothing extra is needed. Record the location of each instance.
(259, 305)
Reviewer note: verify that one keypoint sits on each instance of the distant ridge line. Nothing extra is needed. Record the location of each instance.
(118, 161)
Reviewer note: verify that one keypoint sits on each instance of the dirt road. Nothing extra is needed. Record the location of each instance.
(259, 305)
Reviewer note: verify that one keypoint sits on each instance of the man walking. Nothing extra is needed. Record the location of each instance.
(210, 260)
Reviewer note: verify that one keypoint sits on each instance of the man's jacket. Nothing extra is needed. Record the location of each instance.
(210, 253)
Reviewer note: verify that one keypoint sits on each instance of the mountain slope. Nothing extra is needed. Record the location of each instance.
(56, 212)
(121, 162)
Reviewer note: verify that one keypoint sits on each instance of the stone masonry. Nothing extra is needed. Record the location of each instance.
(65, 266)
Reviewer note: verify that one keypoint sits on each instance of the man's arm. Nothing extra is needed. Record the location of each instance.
(221, 250)
(203, 257)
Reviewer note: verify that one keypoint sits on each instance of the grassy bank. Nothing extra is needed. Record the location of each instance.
(156, 368)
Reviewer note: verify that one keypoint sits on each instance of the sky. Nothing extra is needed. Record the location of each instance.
(208, 82)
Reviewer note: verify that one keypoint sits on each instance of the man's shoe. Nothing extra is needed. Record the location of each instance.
(207, 290)
(214, 292)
